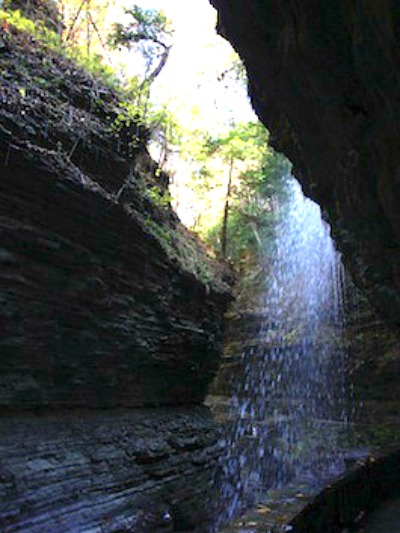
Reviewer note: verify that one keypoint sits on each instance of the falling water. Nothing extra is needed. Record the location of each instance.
(290, 397)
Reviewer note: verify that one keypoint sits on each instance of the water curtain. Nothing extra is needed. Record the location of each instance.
(290, 400)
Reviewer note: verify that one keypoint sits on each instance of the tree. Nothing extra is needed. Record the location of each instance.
(85, 23)
(252, 176)
(149, 33)
(241, 151)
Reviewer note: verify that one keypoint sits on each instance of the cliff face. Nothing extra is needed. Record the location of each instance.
(106, 303)
(143, 471)
(98, 307)
(325, 79)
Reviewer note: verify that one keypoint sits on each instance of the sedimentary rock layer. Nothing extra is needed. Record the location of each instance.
(96, 309)
(106, 302)
(112, 471)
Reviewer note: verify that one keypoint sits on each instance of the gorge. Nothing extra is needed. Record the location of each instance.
(112, 312)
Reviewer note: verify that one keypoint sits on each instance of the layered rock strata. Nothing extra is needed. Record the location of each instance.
(107, 304)
(98, 307)
(141, 471)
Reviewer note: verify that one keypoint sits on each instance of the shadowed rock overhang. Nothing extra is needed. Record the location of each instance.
(324, 77)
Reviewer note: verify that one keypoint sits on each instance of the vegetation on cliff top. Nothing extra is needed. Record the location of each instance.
(225, 192)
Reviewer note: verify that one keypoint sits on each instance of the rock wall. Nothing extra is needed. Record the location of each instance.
(141, 471)
(372, 360)
(325, 78)
(106, 304)
(373, 364)
(97, 307)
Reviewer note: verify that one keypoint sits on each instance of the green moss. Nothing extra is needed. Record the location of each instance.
(37, 29)
(53, 41)
(184, 249)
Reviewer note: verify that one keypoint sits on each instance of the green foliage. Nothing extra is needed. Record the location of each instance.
(53, 41)
(254, 214)
(250, 203)
(149, 34)
(145, 122)
(184, 249)
(94, 65)
(242, 153)
(134, 111)
(148, 26)
(37, 29)
(159, 198)
(130, 127)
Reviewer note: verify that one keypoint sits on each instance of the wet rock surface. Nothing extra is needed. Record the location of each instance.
(372, 429)
(324, 78)
(386, 519)
(373, 366)
(142, 471)
(340, 506)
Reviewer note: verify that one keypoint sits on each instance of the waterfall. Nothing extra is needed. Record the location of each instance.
(290, 398)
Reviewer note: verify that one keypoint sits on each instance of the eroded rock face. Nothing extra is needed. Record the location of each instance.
(95, 311)
(325, 79)
(103, 308)
(374, 362)
(141, 471)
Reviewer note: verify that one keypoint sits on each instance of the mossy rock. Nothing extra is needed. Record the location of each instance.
(44, 11)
